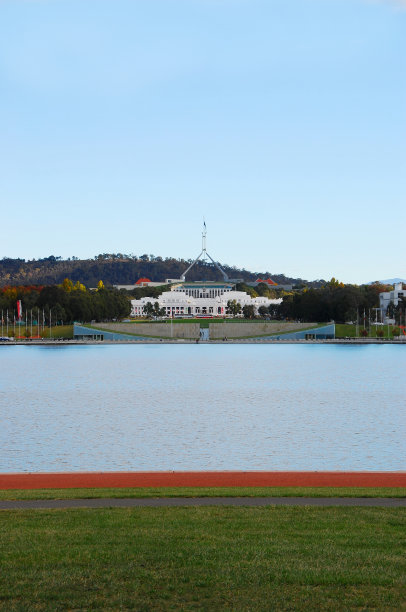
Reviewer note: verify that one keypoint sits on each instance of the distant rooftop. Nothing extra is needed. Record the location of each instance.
(267, 281)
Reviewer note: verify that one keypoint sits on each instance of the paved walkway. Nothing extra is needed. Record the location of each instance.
(203, 501)
(200, 479)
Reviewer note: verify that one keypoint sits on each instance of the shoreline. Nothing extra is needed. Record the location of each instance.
(78, 480)
(254, 340)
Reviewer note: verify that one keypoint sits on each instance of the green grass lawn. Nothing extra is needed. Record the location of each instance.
(59, 331)
(274, 558)
(204, 323)
(204, 492)
(343, 331)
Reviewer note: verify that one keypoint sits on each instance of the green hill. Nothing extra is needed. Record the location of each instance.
(118, 269)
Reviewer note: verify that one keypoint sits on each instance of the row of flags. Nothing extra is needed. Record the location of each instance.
(6, 319)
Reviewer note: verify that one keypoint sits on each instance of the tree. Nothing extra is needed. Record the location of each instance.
(149, 309)
(100, 285)
(263, 311)
(158, 311)
(67, 285)
(274, 311)
(79, 287)
(233, 307)
(248, 311)
(58, 314)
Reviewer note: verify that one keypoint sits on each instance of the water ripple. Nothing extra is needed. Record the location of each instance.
(188, 407)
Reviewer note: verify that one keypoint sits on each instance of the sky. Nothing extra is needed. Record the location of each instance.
(282, 123)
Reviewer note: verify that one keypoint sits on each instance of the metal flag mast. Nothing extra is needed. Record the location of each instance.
(204, 254)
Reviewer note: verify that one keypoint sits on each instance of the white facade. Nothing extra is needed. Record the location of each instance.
(200, 299)
(393, 297)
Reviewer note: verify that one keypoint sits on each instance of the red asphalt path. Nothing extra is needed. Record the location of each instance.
(78, 480)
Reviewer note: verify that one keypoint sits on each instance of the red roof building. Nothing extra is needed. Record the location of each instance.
(143, 282)
(267, 281)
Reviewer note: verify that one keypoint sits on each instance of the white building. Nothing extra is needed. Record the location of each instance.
(200, 299)
(388, 297)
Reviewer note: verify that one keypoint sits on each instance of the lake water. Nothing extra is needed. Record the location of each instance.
(203, 407)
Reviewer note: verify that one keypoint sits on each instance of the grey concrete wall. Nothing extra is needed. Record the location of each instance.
(241, 330)
(157, 330)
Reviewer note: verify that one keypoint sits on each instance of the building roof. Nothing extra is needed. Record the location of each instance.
(267, 281)
(143, 280)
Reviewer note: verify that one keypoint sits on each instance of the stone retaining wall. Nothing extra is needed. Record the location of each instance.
(156, 330)
(241, 330)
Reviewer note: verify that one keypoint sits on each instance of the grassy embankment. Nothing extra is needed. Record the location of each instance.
(310, 328)
(143, 492)
(350, 331)
(273, 558)
(57, 331)
(205, 323)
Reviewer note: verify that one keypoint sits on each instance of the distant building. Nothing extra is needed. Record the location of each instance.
(141, 282)
(267, 281)
(391, 297)
(271, 284)
(200, 299)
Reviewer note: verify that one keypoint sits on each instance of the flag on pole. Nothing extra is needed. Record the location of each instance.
(19, 309)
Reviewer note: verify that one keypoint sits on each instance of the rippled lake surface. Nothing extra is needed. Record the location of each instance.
(186, 407)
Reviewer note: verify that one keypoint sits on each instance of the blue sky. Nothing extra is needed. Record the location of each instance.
(283, 122)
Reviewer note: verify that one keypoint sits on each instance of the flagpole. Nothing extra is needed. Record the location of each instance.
(7, 321)
(2, 324)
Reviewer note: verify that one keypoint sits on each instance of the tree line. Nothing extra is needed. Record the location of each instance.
(66, 302)
(71, 301)
(332, 302)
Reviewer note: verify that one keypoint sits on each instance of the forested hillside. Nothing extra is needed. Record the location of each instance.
(116, 269)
